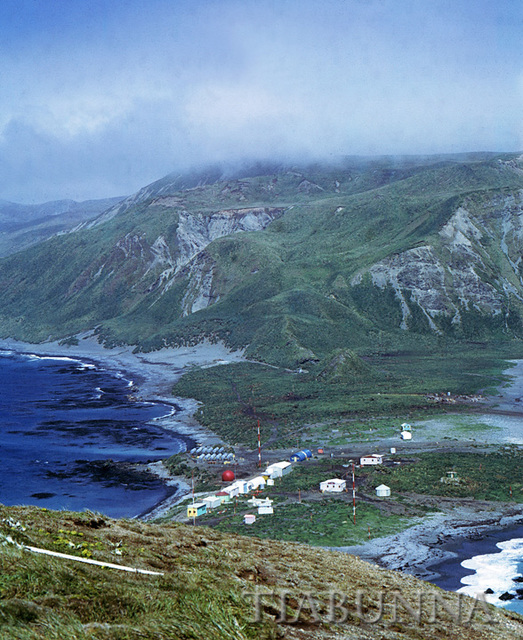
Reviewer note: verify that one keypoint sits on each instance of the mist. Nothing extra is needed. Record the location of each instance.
(100, 98)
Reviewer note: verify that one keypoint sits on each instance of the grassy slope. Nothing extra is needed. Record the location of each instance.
(203, 593)
(395, 384)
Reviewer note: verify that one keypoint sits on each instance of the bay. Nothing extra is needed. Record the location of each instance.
(61, 421)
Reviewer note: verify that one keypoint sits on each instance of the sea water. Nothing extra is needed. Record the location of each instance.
(496, 571)
(492, 562)
(60, 418)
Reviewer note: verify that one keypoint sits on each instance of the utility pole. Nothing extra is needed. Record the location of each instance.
(259, 446)
(353, 495)
(193, 513)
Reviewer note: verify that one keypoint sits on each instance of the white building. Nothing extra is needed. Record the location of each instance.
(236, 488)
(335, 485)
(212, 501)
(383, 491)
(406, 435)
(233, 490)
(256, 483)
(375, 458)
(265, 509)
(278, 469)
(272, 472)
(260, 502)
(249, 518)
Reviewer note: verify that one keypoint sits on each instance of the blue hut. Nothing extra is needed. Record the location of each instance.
(298, 457)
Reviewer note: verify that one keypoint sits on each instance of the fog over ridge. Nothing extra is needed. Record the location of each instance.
(100, 99)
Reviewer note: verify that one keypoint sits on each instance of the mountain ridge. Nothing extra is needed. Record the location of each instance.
(289, 265)
(23, 225)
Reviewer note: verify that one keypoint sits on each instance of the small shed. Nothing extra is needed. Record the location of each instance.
(406, 435)
(212, 501)
(375, 458)
(265, 509)
(224, 496)
(196, 509)
(383, 491)
(249, 518)
(335, 485)
(451, 477)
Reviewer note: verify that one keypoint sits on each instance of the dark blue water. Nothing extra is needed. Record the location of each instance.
(493, 560)
(61, 420)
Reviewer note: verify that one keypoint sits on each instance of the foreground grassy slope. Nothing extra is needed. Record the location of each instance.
(204, 592)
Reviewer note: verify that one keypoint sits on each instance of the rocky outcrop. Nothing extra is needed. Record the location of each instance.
(194, 234)
(474, 263)
(418, 272)
(154, 268)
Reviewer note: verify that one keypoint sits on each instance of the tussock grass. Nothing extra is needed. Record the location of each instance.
(207, 588)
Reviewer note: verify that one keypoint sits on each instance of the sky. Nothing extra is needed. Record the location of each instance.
(99, 98)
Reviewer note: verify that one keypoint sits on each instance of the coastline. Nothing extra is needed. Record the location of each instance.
(417, 550)
(423, 549)
(153, 375)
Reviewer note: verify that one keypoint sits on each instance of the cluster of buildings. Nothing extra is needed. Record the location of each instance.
(267, 478)
(243, 487)
(212, 454)
(337, 485)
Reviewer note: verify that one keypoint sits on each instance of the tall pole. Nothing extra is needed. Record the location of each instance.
(353, 495)
(193, 512)
(259, 446)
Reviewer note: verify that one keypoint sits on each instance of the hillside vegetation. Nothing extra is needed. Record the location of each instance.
(290, 263)
(207, 587)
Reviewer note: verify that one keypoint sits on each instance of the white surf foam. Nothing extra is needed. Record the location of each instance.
(494, 571)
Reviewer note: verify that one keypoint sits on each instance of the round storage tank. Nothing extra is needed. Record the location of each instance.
(228, 475)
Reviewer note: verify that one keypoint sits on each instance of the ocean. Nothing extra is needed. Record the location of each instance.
(61, 421)
(493, 561)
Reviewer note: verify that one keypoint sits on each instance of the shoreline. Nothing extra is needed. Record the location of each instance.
(153, 376)
(417, 550)
(424, 547)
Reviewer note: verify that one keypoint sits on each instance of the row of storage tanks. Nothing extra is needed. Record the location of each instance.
(211, 453)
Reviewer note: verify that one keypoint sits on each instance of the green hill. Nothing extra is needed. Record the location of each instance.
(291, 263)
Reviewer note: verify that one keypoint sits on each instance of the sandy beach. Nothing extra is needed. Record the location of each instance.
(153, 374)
